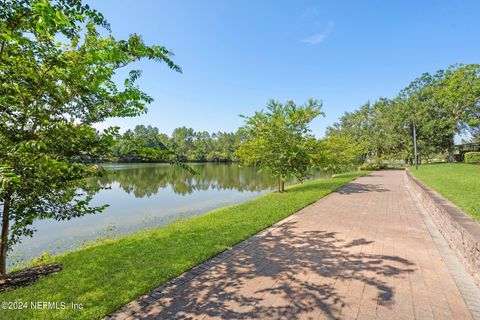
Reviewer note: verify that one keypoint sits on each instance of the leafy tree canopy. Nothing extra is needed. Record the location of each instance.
(57, 66)
(439, 106)
(279, 140)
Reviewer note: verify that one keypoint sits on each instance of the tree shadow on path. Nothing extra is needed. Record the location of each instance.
(353, 187)
(288, 273)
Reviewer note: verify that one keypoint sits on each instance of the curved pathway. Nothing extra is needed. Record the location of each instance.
(362, 252)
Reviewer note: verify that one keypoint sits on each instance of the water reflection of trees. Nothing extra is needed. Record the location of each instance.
(147, 180)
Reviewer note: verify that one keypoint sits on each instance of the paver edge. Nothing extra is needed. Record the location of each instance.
(460, 231)
(463, 279)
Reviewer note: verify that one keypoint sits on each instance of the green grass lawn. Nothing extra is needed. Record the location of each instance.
(459, 183)
(105, 276)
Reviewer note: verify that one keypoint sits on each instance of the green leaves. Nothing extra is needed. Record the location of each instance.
(340, 152)
(47, 18)
(279, 141)
(7, 178)
(441, 105)
(57, 79)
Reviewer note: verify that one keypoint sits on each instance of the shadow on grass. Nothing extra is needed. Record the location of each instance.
(285, 274)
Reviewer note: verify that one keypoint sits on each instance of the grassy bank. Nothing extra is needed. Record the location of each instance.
(459, 183)
(105, 276)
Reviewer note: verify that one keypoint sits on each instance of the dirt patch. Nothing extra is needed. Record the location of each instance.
(28, 276)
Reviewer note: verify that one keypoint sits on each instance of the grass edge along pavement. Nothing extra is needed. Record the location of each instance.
(105, 276)
(457, 182)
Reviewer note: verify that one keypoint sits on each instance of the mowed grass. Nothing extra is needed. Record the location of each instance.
(458, 182)
(105, 276)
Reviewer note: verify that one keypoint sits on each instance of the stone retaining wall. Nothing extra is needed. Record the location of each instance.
(461, 231)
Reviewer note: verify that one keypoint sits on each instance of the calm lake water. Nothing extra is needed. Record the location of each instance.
(143, 196)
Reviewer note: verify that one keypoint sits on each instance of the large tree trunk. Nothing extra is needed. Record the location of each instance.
(4, 237)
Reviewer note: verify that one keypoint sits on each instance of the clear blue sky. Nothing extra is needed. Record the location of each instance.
(236, 55)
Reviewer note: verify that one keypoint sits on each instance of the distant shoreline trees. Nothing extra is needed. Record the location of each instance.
(441, 105)
(148, 144)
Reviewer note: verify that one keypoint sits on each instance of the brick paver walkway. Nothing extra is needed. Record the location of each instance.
(362, 252)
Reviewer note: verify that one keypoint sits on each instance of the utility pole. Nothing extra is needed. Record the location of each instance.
(415, 145)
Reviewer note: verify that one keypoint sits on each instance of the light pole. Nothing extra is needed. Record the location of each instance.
(415, 145)
(415, 154)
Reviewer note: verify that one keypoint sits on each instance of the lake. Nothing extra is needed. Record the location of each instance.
(143, 196)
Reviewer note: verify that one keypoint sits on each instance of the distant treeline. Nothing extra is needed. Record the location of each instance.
(440, 106)
(148, 144)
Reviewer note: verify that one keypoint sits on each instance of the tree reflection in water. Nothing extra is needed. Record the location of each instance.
(145, 180)
(163, 194)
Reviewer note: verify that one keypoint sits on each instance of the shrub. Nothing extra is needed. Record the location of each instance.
(372, 166)
(458, 157)
(472, 157)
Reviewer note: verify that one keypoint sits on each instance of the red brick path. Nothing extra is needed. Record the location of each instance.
(362, 252)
